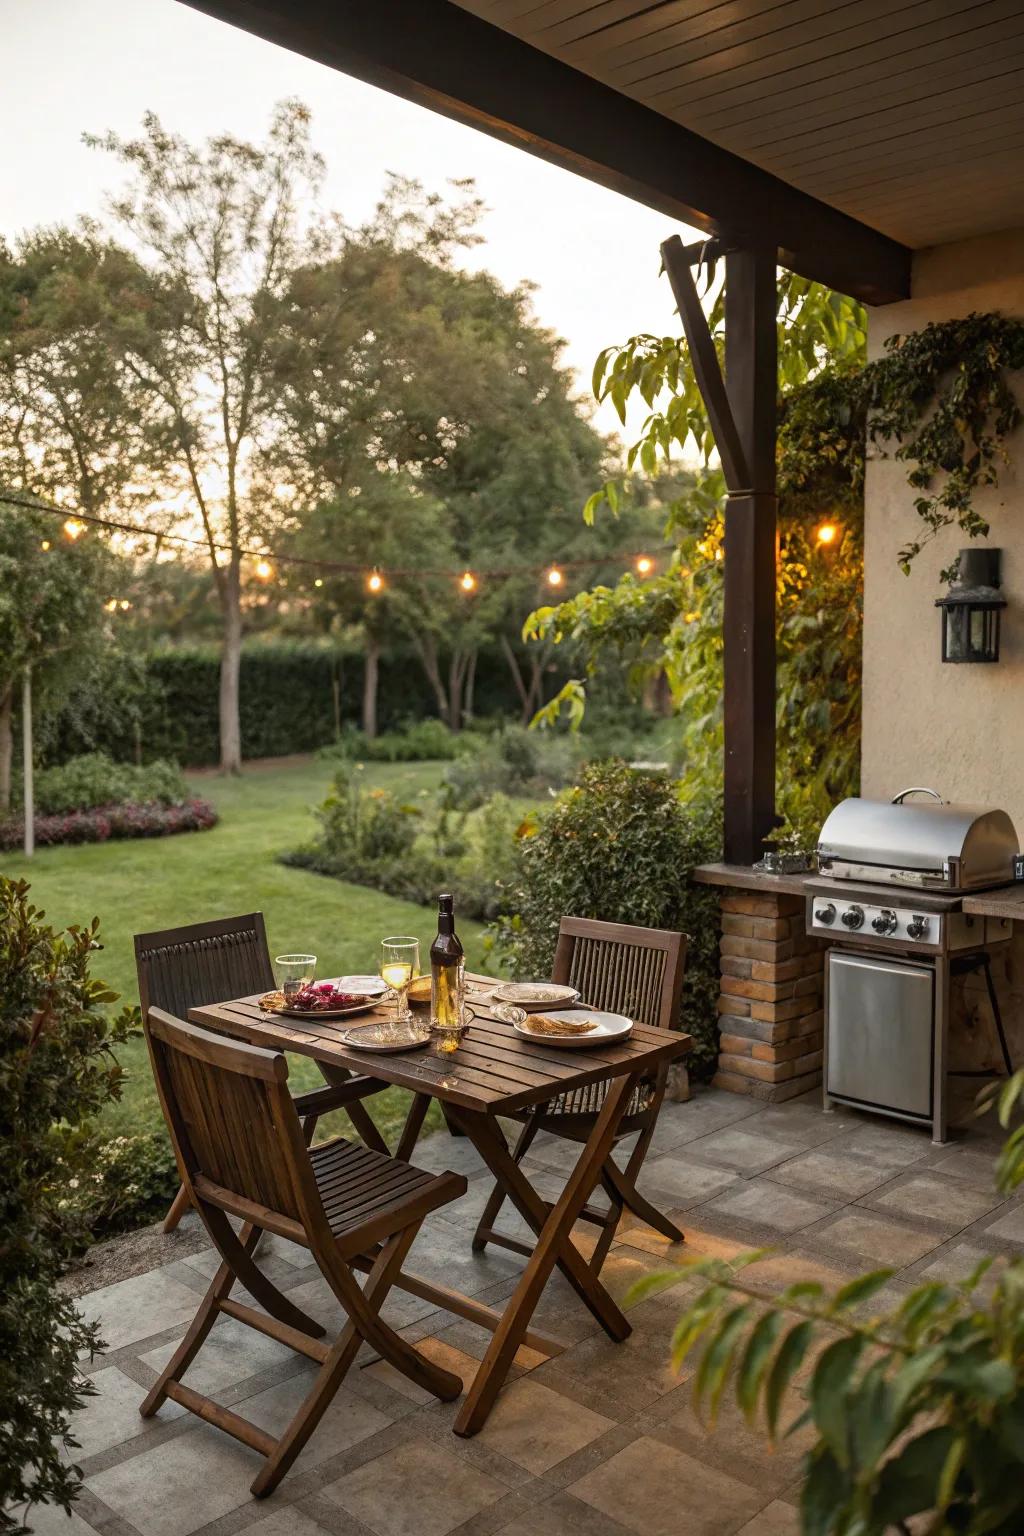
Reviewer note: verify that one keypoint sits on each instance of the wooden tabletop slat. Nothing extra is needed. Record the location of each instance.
(494, 1070)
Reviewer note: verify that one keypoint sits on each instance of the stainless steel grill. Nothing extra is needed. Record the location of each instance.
(922, 843)
(890, 903)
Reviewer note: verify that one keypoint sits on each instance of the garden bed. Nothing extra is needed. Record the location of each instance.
(103, 822)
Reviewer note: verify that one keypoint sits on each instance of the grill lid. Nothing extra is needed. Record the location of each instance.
(917, 842)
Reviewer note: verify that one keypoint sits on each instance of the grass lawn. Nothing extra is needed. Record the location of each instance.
(136, 886)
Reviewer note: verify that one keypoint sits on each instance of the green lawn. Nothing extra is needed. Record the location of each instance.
(136, 886)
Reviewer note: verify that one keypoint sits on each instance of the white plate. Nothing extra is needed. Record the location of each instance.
(326, 1013)
(369, 986)
(535, 996)
(610, 1026)
(408, 1041)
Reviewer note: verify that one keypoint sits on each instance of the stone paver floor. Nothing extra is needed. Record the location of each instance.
(599, 1441)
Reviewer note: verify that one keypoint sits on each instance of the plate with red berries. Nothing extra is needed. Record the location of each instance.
(325, 1000)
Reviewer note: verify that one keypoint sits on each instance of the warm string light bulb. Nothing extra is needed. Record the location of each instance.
(318, 582)
(264, 570)
(44, 546)
(467, 581)
(375, 581)
(827, 533)
(644, 565)
(555, 577)
(73, 528)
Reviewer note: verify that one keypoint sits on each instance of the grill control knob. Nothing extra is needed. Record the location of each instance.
(885, 922)
(917, 928)
(853, 917)
(826, 914)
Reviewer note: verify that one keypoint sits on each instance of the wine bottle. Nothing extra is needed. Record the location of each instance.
(447, 970)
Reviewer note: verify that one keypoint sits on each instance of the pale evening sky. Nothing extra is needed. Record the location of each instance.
(76, 65)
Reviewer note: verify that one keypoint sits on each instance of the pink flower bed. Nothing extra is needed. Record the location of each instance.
(107, 821)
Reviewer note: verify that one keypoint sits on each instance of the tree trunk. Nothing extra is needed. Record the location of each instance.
(230, 666)
(6, 748)
(467, 699)
(517, 678)
(426, 650)
(457, 672)
(371, 676)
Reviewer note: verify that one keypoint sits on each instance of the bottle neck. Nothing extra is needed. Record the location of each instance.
(445, 924)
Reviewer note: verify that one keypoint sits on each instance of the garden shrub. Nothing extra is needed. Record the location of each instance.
(620, 846)
(57, 1072)
(129, 1181)
(111, 821)
(515, 761)
(415, 741)
(95, 779)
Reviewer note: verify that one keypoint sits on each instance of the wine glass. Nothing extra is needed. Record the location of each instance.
(399, 963)
(294, 973)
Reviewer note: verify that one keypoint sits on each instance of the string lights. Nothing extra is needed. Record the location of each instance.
(265, 564)
(827, 533)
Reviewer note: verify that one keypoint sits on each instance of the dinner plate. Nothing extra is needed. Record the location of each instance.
(327, 1013)
(610, 1027)
(375, 1037)
(534, 996)
(370, 986)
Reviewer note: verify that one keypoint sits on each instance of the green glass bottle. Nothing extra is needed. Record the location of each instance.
(447, 970)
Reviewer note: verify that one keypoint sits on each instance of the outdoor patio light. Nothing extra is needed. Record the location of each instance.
(554, 577)
(375, 581)
(644, 565)
(827, 533)
(971, 608)
(467, 581)
(264, 570)
(73, 528)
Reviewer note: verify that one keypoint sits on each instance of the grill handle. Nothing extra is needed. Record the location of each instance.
(916, 789)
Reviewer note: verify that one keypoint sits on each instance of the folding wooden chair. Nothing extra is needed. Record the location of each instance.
(241, 1151)
(179, 968)
(621, 969)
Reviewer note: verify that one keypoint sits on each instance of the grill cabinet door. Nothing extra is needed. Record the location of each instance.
(880, 1032)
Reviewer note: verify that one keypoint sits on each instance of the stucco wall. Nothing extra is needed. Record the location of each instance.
(959, 729)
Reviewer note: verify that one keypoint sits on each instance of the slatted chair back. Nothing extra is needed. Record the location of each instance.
(623, 969)
(180, 968)
(232, 1122)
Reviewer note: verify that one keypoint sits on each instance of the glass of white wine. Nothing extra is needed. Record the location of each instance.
(399, 963)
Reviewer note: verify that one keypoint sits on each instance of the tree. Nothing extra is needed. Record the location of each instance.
(52, 619)
(221, 230)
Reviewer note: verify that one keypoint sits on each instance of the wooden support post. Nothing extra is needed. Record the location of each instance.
(751, 375)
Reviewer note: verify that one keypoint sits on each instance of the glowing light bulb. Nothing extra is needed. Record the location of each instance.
(73, 528)
(111, 607)
(467, 581)
(44, 546)
(318, 582)
(644, 565)
(124, 605)
(264, 570)
(827, 533)
(555, 577)
(375, 581)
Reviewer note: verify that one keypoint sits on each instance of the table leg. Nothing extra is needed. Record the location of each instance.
(554, 1245)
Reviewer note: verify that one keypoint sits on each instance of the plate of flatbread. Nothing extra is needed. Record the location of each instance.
(573, 1028)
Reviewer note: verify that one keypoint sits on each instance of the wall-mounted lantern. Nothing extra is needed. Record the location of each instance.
(971, 608)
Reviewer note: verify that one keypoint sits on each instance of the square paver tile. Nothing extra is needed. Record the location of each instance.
(422, 1489)
(957, 1262)
(176, 1487)
(347, 1421)
(765, 1204)
(1009, 1227)
(680, 1181)
(657, 1491)
(537, 1428)
(881, 1239)
(621, 1378)
(805, 1123)
(113, 1417)
(50, 1520)
(742, 1148)
(952, 1201)
(232, 1353)
(135, 1309)
(776, 1519)
(886, 1143)
(973, 1163)
(828, 1171)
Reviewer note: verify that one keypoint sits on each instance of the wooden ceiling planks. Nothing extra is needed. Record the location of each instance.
(883, 110)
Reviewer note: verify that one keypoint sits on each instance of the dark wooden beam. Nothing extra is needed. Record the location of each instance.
(444, 57)
(751, 538)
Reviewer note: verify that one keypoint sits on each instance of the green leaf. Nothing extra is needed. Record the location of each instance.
(784, 1367)
(909, 1484)
(828, 1392)
(717, 1358)
(755, 1361)
(861, 1289)
(825, 1491)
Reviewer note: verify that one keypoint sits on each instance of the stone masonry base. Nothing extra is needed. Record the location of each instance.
(770, 1004)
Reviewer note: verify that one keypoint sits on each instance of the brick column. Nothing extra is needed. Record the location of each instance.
(770, 1006)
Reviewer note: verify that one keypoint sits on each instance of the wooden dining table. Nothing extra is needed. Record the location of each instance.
(495, 1072)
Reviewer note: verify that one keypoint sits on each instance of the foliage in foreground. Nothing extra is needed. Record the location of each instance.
(57, 1072)
(918, 1413)
(619, 845)
(95, 779)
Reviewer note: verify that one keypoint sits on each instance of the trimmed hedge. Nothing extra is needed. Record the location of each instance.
(287, 703)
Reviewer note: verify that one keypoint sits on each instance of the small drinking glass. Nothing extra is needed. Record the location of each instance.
(445, 1040)
(294, 973)
(399, 963)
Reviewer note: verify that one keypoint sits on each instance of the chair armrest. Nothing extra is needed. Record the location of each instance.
(336, 1095)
